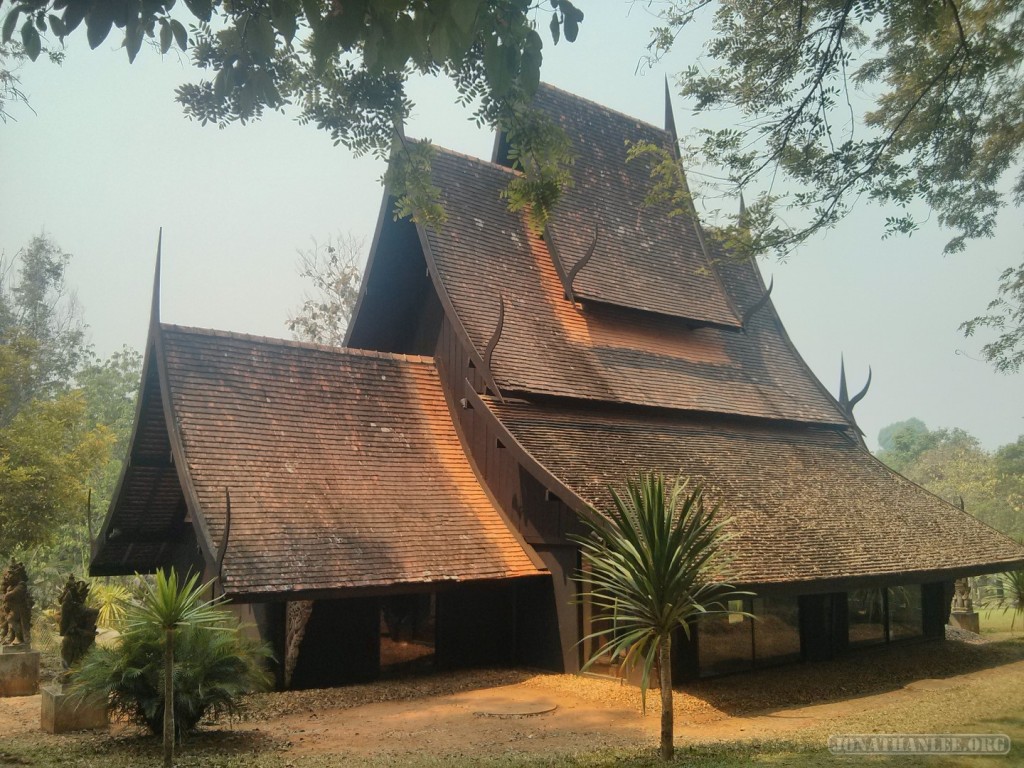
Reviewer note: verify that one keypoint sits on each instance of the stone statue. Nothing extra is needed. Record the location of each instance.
(15, 606)
(77, 623)
(962, 602)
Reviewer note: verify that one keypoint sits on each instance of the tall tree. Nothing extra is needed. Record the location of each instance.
(952, 464)
(110, 388)
(343, 66)
(903, 443)
(40, 321)
(48, 453)
(61, 411)
(334, 268)
(882, 100)
(653, 565)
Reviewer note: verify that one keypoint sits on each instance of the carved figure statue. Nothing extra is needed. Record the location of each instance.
(77, 623)
(15, 606)
(962, 602)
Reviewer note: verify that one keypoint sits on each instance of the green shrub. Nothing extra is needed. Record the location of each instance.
(213, 666)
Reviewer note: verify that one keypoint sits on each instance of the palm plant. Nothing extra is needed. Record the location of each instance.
(211, 671)
(1009, 594)
(111, 599)
(139, 674)
(167, 607)
(650, 565)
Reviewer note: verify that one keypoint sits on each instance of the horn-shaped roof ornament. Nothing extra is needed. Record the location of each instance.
(496, 336)
(757, 305)
(223, 548)
(847, 403)
(580, 265)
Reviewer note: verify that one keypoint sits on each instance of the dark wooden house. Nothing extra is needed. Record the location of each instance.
(493, 384)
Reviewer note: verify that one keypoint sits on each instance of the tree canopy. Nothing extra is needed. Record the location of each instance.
(334, 270)
(952, 464)
(341, 66)
(64, 415)
(842, 100)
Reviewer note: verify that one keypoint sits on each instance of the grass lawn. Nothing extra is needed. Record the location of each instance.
(996, 621)
(221, 751)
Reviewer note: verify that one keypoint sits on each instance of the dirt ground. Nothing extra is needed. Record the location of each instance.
(500, 712)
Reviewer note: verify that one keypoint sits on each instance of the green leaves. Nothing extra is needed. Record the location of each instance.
(98, 22)
(30, 39)
(541, 151)
(1006, 317)
(166, 605)
(166, 38)
(652, 565)
(201, 9)
(344, 65)
(10, 22)
(180, 35)
(214, 664)
(883, 101)
(283, 14)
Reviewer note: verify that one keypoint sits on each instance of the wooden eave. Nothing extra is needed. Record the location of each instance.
(174, 463)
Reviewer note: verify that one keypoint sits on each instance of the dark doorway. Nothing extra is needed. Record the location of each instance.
(822, 626)
(341, 644)
(407, 624)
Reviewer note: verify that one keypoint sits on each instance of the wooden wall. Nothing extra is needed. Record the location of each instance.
(539, 517)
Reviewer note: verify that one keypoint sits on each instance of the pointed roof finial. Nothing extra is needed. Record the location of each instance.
(742, 221)
(154, 312)
(844, 394)
(670, 120)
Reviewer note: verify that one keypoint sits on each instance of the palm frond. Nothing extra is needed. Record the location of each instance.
(652, 564)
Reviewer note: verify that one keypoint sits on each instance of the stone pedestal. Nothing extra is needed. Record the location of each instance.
(59, 713)
(966, 620)
(19, 670)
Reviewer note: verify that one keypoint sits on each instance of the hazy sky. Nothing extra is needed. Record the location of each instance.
(108, 158)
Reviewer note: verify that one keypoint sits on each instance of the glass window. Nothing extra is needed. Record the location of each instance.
(725, 643)
(777, 630)
(906, 618)
(867, 616)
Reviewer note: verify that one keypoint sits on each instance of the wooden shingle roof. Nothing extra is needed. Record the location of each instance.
(344, 468)
(643, 258)
(806, 504)
(550, 346)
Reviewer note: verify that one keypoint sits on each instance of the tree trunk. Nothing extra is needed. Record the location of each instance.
(169, 698)
(665, 671)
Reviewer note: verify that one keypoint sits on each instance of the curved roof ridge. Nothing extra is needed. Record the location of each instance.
(296, 344)
(614, 112)
(478, 160)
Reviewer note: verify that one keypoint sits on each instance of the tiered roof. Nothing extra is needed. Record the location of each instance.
(344, 467)
(548, 345)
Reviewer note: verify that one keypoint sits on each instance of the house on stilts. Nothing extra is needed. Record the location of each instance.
(423, 481)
